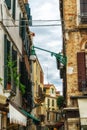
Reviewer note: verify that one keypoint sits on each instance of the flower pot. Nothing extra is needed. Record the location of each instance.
(8, 86)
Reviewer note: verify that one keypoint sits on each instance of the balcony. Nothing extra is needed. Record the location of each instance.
(40, 99)
(41, 95)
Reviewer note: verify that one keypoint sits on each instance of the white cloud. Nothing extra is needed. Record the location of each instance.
(44, 9)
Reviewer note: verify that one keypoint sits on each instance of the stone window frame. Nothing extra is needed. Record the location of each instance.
(79, 16)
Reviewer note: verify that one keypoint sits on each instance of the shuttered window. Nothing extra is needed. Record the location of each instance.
(23, 28)
(20, 24)
(27, 10)
(6, 55)
(14, 61)
(5, 61)
(26, 45)
(14, 9)
(30, 21)
(52, 102)
(83, 11)
(48, 116)
(81, 66)
(8, 3)
(22, 73)
(48, 102)
(41, 77)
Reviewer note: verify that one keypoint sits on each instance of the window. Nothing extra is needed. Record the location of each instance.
(14, 69)
(52, 102)
(48, 102)
(52, 91)
(48, 116)
(27, 10)
(57, 116)
(83, 11)
(8, 3)
(14, 9)
(22, 28)
(10, 65)
(82, 70)
(6, 53)
(41, 77)
(81, 66)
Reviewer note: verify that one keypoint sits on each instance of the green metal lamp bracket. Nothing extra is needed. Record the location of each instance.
(62, 59)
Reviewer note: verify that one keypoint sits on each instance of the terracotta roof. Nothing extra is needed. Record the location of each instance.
(57, 92)
(48, 85)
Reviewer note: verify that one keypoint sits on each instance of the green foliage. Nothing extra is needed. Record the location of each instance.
(22, 88)
(1, 80)
(12, 74)
(60, 102)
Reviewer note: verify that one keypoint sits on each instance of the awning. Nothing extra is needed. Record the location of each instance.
(83, 110)
(30, 115)
(16, 116)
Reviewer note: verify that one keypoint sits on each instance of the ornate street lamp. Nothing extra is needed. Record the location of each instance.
(62, 59)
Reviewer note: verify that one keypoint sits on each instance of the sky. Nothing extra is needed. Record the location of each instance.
(47, 37)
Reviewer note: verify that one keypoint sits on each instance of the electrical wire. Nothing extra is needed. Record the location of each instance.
(34, 25)
(45, 25)
(46, 20)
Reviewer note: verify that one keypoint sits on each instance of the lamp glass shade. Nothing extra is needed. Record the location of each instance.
(32, 55)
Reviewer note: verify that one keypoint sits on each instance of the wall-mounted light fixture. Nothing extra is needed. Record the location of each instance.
(62, 59)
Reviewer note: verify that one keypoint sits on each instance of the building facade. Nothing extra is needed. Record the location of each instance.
(74, 26)
(38, 93)
(51, 114)
(15, 74)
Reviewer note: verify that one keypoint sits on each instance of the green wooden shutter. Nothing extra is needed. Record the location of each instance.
(27, 10)
(8, 3)
(23, 28)
(5, 61)
(14, 9)
(30, 21)
(8, 59)
(26, 45)
(7, 71)
(14, 72)
(20, 24)
(28, 15)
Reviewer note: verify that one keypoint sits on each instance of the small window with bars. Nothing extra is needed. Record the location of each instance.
(83, 11)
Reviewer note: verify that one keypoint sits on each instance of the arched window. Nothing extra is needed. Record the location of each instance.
(52, 90)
